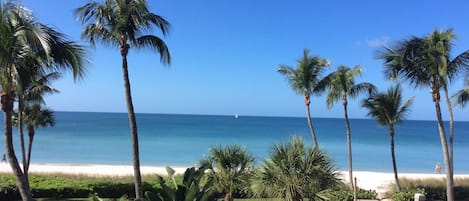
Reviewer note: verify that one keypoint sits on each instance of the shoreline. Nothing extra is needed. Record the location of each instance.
(369, 180)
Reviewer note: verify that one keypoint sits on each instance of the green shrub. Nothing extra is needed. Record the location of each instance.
(402, 196)
(345, 194)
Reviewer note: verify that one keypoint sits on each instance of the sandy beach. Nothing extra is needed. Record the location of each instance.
(378, 181)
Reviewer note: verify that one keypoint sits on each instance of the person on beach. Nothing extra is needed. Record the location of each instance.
(4, 158)
(438, 168)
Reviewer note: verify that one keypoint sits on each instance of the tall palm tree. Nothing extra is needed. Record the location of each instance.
(295, 172)
(304, 80)
(230, 167)
(389, 110)
(22, 35)
(341, 86)
(423, 62)
(116, 23)
(440, 43)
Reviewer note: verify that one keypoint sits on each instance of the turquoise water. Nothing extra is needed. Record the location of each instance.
(181, 140)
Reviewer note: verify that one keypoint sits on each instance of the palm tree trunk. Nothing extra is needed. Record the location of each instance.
(393, 156)
(21, 133)
(444, 146)
(451, 127)
(133, 129)
(349, 143)
(30, 146)
(21, 179)
(310, 122)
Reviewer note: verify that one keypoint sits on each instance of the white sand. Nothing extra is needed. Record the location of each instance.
(367, 180)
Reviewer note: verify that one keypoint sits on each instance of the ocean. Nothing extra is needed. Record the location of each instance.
(182, 140)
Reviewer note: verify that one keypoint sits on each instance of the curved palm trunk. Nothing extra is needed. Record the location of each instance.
(21, 133)
(21, 179)
(310, 122)
(133, 125)
(349, 142)
(451, 127)
(30, 146)
(444, 147)
(393, 156)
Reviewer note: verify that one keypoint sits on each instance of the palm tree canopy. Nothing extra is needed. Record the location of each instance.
(307, 74)
(36, 116)
(388, 108)
(114, 22)
(342, 83)
(462, 96)
(424, 61)
(26, 44)
(294, 171)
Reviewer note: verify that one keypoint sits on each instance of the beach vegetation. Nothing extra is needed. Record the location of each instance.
(27, 45)
(304, 80)
(425, 62)
(295, 172)
(389, 109)
(344, 193)
(195, 186)
(230, 167)
(341, 86)
(123, 24)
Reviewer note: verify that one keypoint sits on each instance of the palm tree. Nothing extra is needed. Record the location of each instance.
(389, 110)
(35, 116)
(230, 167)
(440, 45)
(424, 62)
(117, 23)
(462, 96)
(304, 80)
(341, 84)
(295, 172)
(21, 35)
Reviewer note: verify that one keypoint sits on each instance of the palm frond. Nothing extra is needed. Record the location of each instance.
(156, 44)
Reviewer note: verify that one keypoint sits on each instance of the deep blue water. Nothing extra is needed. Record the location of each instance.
(165, 139)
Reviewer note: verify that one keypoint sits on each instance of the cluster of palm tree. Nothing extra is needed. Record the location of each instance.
(421, 61)
(293, 172)
(32, 55)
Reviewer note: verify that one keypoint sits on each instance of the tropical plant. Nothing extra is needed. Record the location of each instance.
(304, 80)
(193, 188)
(389, 109)
(117, 23)
(295, 172)
(23, 38)
(34, 116)
(341, 86)
(425, 62)
(461, 97)
(230, 168)
(31, 88)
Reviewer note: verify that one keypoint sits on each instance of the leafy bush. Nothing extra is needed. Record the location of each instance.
(403, 196)
(345, 194)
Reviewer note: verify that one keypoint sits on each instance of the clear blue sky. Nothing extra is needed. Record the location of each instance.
(225, 54)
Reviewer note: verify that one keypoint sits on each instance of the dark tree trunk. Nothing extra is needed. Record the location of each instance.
(310, 122)
(444, 146)
(133, 124)
(349, 142)
(30, 146)
(21, 179)
(451, 127)
(393, 157)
